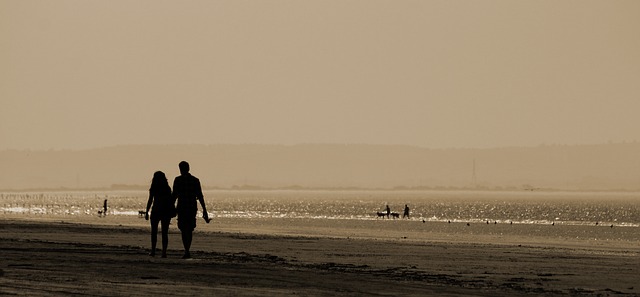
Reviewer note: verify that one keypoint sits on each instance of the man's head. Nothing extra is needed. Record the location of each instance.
(184, 167)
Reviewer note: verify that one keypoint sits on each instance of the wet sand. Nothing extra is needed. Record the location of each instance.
(51, 257)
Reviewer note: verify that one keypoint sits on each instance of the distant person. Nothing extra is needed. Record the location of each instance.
(388, 211)
(104, 207)
(406, 212)
(161, 212)
(187, 190)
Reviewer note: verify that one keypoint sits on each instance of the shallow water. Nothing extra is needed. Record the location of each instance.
(594, 220)
(564, 208)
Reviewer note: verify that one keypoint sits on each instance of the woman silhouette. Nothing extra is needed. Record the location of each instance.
(162, 211)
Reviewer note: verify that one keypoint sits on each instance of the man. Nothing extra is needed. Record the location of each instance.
(406, 212)
(187, 189)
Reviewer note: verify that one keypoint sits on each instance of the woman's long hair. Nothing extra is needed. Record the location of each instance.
(159, 183)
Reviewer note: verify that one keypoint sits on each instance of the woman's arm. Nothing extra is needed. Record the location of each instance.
(149, 202)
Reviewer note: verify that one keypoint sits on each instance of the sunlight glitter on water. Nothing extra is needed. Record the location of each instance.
(620, 209)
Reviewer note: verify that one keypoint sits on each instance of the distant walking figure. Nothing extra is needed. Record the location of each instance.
(161, 212)
(104, 207)
(187, 190)
(406, 212)
(388, 211)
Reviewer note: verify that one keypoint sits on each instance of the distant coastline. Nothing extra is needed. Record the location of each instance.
(300, 188)
(603, 167)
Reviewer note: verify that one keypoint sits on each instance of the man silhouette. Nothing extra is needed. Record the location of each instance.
(187, 190)
(406, 212)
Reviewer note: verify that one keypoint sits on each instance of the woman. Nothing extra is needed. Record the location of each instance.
(162, 211)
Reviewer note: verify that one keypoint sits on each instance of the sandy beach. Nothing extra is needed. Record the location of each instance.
(53, 257)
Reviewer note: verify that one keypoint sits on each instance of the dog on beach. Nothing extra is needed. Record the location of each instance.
(394, 215)
(141, 213)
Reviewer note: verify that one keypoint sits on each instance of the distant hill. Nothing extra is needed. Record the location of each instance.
(586, 167)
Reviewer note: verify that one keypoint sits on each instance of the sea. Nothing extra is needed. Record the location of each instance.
(514, 207)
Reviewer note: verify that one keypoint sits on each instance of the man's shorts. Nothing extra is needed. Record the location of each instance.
(186, 221)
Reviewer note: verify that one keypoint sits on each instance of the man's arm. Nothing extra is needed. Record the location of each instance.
(200, 197)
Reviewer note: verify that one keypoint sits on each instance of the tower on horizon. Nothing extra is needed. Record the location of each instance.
(475, 182)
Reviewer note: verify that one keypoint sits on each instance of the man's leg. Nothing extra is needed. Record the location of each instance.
(186, 224)
(187, 236)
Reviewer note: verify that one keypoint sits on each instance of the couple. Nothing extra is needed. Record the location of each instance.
(186, 189)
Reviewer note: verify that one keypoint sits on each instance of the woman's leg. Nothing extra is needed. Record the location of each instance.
(165, 235)
(154, 235)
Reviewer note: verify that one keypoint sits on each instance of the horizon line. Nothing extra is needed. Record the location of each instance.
(320, 144)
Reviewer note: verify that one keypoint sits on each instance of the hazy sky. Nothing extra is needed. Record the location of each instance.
(82, 74)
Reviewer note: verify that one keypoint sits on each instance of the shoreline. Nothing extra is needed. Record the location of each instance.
(244, 263)
(601, 237)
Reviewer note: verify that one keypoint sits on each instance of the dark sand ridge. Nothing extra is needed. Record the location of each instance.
(44, 258)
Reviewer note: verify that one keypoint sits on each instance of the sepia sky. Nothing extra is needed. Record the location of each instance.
(437, 74)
